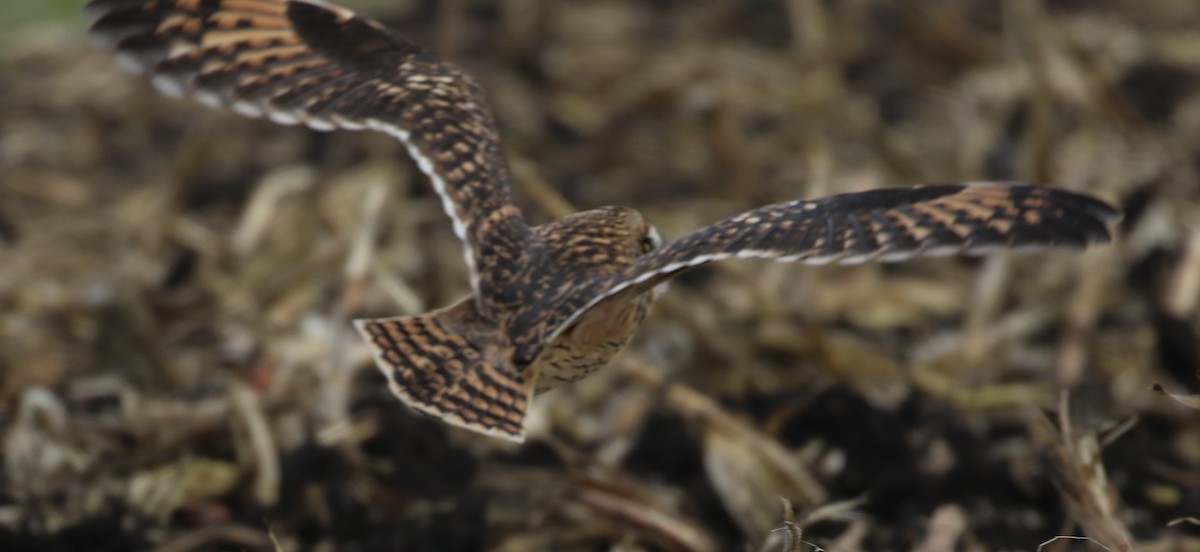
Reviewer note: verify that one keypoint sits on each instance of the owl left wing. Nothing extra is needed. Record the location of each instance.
(888, 225)
(308, 62)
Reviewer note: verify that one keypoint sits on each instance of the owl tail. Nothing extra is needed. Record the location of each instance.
(453, 365)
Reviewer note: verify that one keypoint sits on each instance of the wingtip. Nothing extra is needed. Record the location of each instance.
(1104, 215)
(1102, 211)
(111, 23)
(1104, 238)
(1111, 214)
(1099, 208)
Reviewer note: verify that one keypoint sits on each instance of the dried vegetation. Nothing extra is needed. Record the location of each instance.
(177, 369)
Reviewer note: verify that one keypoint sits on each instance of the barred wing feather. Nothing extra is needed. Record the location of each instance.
(307, 62)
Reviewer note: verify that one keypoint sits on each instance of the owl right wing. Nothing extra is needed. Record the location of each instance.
(888, 225)
(303, 61)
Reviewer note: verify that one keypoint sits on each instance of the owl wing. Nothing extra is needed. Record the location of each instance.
(888, 225)
(307, 62)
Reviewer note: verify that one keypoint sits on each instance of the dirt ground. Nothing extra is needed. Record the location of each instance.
(178, 371)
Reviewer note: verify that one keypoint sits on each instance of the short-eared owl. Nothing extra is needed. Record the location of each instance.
(550, 303)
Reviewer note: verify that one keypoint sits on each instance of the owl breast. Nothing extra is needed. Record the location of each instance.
(591, 342)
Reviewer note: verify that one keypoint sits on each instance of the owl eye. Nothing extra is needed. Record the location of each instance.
(651, 241)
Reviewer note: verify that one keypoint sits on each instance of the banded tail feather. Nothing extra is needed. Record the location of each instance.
(454, 365)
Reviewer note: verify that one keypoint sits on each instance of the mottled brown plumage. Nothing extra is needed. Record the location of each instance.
(552, 303)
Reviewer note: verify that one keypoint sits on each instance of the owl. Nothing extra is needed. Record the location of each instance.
(550, 304)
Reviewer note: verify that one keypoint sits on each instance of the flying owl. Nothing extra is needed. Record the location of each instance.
(550, 304)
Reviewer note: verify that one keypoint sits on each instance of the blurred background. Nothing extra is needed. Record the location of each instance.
(178, 371)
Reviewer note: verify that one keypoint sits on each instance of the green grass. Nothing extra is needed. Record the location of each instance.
(17, 17)
(22, 13)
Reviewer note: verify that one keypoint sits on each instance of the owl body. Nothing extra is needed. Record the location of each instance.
(573, 259)
(470, 368)
(592, 341)
(593, 246)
